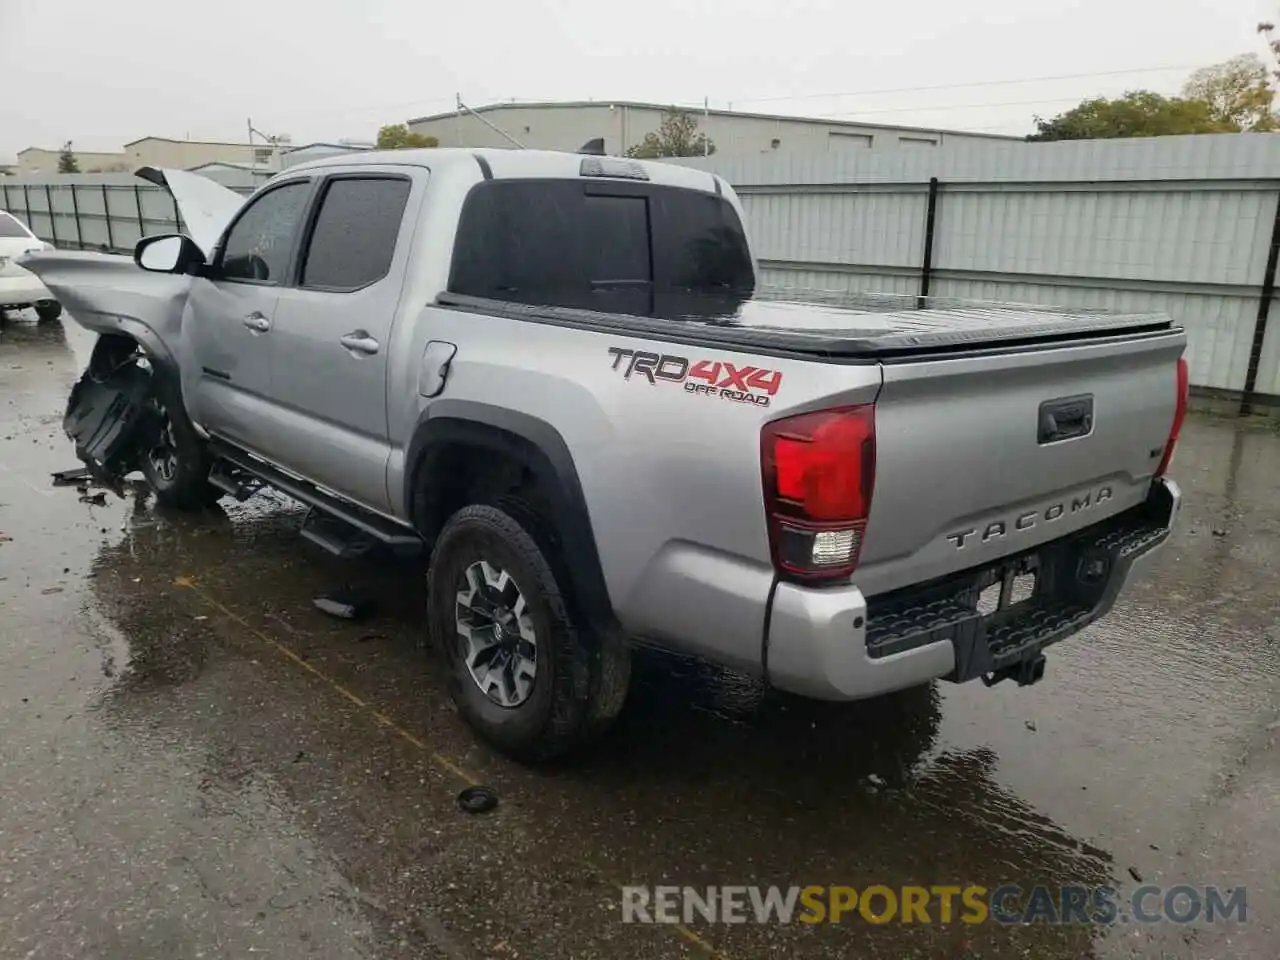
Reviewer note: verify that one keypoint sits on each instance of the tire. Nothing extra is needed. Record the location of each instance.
(48, 310)
(580, 681)
(180, 481)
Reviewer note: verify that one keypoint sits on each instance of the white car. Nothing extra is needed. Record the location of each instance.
(19, 288)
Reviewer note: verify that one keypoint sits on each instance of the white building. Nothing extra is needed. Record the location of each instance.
(291, 156)
(622, 124)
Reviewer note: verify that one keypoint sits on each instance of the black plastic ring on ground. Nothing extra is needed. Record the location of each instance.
(477, 800)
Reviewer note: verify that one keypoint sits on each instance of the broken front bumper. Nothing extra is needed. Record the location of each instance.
(835, 645)
(110, 420)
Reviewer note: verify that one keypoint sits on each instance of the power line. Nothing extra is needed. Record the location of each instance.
(979, 83)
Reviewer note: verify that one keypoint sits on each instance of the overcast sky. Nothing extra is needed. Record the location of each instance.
(102, 73)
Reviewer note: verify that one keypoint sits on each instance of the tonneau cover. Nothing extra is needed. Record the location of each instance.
(871, 326)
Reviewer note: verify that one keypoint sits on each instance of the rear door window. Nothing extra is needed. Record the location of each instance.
(354, 237)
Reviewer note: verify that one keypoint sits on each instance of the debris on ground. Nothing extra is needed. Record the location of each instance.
(1218, 532)
(1133, 872)
(1031, 725)
(48, 590)
(74, 475)
(477, 799)
(346, 604)
(98, 499)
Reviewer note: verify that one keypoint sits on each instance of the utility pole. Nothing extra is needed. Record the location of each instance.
(253, 163)
(706, 115)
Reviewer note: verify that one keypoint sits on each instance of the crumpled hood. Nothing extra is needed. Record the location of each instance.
(109, 293)
(206, 206)
(101, 290)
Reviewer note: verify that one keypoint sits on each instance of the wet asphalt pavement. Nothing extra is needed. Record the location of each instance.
(194, 762)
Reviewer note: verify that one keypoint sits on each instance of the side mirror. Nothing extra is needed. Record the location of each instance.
(167, 253)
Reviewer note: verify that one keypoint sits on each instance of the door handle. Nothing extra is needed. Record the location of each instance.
(1065, 418)
(359, 341)
(257, 322)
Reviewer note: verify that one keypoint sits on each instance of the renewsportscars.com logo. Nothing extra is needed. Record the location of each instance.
(971, 904)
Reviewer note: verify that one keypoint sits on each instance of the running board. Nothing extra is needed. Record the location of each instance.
(360, 523)
(335, 536)
(232, 480)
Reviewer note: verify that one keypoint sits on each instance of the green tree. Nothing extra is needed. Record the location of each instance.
(397, 136)
(1238, 92)
(1139, 113)
(676, 136)
(67, 162)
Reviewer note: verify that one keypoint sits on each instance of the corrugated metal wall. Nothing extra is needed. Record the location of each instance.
(1181, 225)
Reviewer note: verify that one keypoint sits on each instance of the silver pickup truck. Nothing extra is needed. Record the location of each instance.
(555, 375)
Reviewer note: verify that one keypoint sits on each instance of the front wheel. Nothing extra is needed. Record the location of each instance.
(521, 671)
(48, 310)
(175, 461)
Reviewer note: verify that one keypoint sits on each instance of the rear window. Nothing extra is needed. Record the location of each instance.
(9, 227)
(626, 248)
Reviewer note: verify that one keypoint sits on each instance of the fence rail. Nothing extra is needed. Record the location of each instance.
(108, 213)
(1188, 226)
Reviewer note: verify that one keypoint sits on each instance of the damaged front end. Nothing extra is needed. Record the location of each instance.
(113, 415)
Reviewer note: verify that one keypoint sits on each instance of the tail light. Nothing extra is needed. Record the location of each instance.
(1179, 414)
(819, 473)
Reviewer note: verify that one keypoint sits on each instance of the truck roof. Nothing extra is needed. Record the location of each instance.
(518, 164)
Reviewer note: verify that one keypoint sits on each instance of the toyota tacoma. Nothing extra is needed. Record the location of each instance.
(558, 377)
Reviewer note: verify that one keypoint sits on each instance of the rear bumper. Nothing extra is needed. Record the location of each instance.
(20, 288)
(835, 645)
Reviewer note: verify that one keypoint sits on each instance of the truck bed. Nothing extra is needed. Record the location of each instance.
(844, 327)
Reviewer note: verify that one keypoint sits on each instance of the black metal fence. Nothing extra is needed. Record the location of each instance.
(109, 217)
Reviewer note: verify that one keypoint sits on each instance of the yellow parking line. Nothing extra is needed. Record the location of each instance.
(442, 761)
(188, 583)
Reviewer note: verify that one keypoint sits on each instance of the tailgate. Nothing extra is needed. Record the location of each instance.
(979, 457)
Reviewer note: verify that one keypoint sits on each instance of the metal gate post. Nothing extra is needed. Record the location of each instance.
(106, 212)
(1264, 312)
(75, 211)
(926, 266)
(53, 222)
(137, 199)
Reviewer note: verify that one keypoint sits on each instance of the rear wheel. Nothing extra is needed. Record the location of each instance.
(48, 310)
(175, 461)
(522, 671)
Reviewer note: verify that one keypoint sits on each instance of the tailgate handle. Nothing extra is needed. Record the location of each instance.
(1065, 418)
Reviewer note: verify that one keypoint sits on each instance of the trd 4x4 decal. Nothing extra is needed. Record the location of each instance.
(713, 378)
